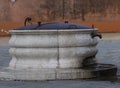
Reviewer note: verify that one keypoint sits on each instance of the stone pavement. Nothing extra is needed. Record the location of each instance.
(59, 84)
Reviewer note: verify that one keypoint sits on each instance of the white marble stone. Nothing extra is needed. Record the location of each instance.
(38, 49)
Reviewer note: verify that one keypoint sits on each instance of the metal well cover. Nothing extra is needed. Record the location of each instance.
(53, 26)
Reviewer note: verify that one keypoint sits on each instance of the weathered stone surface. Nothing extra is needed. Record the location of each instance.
(50, 54)
(102, 57)
(51, 48)
(44, 74)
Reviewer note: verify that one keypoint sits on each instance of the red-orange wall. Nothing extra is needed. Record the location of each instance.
(12, 15)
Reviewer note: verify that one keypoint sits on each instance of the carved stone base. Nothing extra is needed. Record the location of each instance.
(44, 74)
(100, 70)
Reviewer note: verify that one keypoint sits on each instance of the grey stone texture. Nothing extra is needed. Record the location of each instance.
(109, 52)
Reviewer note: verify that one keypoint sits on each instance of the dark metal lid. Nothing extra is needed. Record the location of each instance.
(53, 26)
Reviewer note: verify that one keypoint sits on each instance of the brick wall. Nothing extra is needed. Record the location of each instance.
(12, 15)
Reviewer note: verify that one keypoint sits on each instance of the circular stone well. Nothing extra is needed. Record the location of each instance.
(38, 49)
(52, 51)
